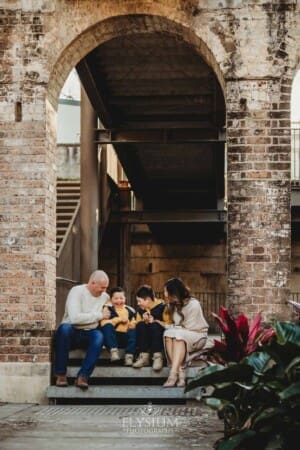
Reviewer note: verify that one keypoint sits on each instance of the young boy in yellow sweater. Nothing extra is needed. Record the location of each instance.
(119, 330)
(151, 316)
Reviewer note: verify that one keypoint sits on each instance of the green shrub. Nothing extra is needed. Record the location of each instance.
(258, 397)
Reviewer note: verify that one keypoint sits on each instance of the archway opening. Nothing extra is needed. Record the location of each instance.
(162, 113)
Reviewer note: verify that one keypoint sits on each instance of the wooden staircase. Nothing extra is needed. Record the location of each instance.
(68, 197)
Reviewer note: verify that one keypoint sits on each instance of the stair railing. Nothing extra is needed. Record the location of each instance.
(68, 231)
(67, 263)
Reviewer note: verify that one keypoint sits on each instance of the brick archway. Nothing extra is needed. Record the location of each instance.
(249, 45)
(121, 26)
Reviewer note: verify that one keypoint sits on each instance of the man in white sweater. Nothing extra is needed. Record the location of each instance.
(79, 328)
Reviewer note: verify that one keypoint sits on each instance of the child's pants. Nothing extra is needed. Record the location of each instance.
(117, 339)
(149, 337)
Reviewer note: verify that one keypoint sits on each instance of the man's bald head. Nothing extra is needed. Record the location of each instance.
(98, 282)
(98, 275)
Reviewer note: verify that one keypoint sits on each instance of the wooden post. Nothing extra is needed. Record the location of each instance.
(124, 260)
(89, 190)
(104, 195)
(125, 241)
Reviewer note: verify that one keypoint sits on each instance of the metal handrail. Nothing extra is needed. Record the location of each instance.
(68, 231)
(68, 280)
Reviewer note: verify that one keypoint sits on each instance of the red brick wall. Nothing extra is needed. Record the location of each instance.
(259, 195)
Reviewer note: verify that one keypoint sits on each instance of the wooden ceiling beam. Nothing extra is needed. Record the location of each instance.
(161, 100)
(165, 111)
(146, 80)
(154, 57)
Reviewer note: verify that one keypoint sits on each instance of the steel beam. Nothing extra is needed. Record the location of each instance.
(146, 217)
(160, 136)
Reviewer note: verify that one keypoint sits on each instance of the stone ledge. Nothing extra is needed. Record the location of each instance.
(24, 382)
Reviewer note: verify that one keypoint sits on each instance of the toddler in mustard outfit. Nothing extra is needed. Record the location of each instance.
(119, 330)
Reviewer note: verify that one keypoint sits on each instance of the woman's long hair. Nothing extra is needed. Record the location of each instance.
(176, 289)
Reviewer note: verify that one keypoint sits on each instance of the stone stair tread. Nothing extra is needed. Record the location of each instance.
(67, 201)
(68, 187)
(62, 222)
(146, 392)
(64, 215)
(122, 372)
(80, 354)
(68, 181)
(67, 196)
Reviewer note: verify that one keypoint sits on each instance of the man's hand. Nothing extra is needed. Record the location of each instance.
(150, 319)
(124, 320)
(106, 314)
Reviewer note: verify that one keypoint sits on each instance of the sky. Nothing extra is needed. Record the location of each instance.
(295, 104)
(71, 90)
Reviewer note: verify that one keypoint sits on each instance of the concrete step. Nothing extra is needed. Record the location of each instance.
(67, 185)
(67, 208)
(64, 216)
(122, 372)
(67, 202)
(64, 186)
(80, 354)
(67, 182)
(119, 392)
(63, 223)
(61, 231)
(63, 195)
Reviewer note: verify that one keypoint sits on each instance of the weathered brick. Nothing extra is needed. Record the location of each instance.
(253, 59)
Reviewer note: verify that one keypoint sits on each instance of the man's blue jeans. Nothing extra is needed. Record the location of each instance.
(68, 337)
(117, 339)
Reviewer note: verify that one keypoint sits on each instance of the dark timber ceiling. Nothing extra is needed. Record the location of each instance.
(156, 81)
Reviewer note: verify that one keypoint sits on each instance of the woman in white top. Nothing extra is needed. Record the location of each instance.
(188, 332)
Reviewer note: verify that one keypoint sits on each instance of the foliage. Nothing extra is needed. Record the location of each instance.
(240, 338)
(258, 397)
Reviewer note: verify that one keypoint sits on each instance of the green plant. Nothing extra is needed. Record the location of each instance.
(258, 398)
(240, 338)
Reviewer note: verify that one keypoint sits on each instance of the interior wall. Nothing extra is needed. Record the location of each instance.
(202, 267)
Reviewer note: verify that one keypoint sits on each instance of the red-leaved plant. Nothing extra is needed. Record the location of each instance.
(240, 338)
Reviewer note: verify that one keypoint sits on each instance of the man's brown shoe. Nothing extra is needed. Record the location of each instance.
(82, 382)
(61, 381)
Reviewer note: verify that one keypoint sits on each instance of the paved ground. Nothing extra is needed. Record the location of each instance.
(109, 427)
